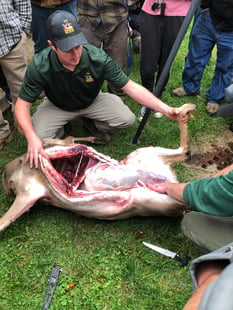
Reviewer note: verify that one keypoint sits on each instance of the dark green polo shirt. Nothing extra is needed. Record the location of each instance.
(211, 195)
(69, 90)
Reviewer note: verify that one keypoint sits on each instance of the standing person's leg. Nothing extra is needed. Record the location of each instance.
(14, 66)
(206, 231)
(39, 27)
(223, 69)
(150, 48)
(134, 21)
(4, 86)
(69, 7)
(93, 36)
(39, 22)
(115, 45)
(171, 27)
(201, 44)
(5, 133)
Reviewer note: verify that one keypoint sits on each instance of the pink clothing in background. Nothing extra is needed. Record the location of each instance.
(173, 7)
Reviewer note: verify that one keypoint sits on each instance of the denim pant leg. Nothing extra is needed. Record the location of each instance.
(224, 67)
(39, 22)
(14, 66)
(201, 43)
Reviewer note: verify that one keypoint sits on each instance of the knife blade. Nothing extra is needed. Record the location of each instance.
(182, 260)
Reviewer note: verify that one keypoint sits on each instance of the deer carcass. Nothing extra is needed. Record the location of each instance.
(78, 178)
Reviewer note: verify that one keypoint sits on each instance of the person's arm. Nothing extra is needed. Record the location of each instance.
(24, 10)
(206, 273)
(174, 190)
(224, 171)
(35, 144)
(148, 99)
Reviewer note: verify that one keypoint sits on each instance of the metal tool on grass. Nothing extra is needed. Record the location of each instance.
(51, 287)
(182, 260)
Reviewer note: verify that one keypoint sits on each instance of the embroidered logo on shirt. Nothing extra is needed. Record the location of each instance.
(88, 77)
(67, 27)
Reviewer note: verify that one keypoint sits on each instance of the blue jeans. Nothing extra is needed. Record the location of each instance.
(202, 40)
(39, 22)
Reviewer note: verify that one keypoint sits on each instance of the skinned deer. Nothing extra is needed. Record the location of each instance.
(78, 178)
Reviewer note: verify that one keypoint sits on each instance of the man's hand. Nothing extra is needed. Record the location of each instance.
(35, 147)
(160, 188)
(174, 190)
(172, 113)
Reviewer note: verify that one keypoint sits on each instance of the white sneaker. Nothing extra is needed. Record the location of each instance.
(157, 114)
(142, 113)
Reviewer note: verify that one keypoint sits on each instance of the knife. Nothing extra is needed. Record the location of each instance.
(183, 260)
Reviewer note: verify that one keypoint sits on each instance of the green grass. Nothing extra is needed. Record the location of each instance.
(107, 262)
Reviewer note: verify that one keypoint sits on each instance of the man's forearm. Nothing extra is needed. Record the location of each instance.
(175, 190)
(206, 273)
(145, 97)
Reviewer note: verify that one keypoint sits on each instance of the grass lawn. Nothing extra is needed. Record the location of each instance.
(105, 262)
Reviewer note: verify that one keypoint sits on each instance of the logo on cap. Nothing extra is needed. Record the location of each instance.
(68, 27)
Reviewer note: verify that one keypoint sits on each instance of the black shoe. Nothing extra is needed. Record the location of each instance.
(225, 110)
(100, 136)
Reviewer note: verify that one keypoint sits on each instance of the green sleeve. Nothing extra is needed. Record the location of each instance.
(32, 85)
(211, 195)
(114, 74)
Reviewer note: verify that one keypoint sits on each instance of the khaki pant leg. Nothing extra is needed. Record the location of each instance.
(206, 231)
(48, 121)
(107, 110)
(109, 113)
(14, 66)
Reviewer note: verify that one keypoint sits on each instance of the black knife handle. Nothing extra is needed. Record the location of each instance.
(183, 260)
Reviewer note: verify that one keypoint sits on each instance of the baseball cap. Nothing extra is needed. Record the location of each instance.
(64, 31)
